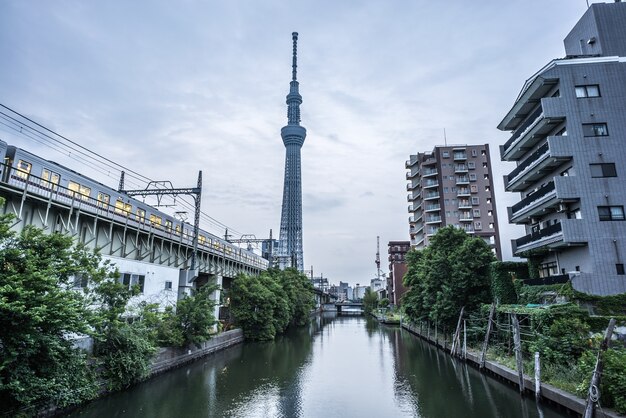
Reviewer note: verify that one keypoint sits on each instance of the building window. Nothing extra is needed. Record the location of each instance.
(478, 225)
(130, 280)
(472, 176)
(487, 188)
(475, 200)
(591, 90)
(611, 213)
(484, 165)
(603, 170)
(23, 169)
(168, 285)
(445, 154)
(620, 269)
(548, 269)
(80, 281)
(474, 153)
(595, 129)
(474, 188)
(476, 213)
(483, 153)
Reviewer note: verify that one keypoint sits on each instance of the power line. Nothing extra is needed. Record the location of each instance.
(97, 161)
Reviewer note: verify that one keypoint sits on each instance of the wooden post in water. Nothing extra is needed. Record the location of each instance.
(537, 376)
(464, 339)
(594, 386)
(455, 338)
(483, 353)
(518, 353)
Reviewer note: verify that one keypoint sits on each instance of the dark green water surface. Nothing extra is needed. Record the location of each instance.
(338, 367)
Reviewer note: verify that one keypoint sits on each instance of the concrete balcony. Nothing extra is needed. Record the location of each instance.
(429, 172)
(412, 185)
(465, 204)
(545, 159)
(462, 180)
(433, 220)
(466, 218)
(567, 233)
(460, 168)
(538, 124)
(432, 208)
(432, 230)
(410, 162)
(459, 155)
(430, 184)
(463, 192)
(553, 197)
(431, 195)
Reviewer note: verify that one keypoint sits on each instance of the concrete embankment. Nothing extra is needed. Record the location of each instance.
(548, 392)
(170, 357)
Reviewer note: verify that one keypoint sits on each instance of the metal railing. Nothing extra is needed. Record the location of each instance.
(523, 127)
(528, 200)
(536, 236)
(535, 156)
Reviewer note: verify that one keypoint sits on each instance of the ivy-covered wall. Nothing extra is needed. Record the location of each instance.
(503, 274)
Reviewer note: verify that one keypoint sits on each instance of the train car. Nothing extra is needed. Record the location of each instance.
(3, 153)
(50, 179)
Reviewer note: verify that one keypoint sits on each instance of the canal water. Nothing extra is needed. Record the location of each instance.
(337, 367)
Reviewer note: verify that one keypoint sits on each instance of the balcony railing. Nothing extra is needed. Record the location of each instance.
(433, 219)
(559, 279)
(465, 204)
(460, 156)
(462, 180)
(535, 156)
(429, 172)
(460, 168)
(530, 120)
(431, 195)
(430, 208)
(528, 200)
(463, 192)
(431, 183)
(536, 236)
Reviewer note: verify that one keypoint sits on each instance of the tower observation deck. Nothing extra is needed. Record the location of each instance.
(290, 250)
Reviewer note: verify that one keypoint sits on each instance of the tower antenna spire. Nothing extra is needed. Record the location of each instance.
(294, 65)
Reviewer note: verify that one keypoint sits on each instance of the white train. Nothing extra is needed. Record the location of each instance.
(21, 168)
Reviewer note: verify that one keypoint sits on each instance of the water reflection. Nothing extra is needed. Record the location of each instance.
(337, 367)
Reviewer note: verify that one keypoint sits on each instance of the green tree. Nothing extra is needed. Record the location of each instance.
(195, 317)
(370, 300)
(38, 311)
(299, 291)
(453, 271)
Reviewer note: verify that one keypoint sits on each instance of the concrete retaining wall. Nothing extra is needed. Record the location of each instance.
(169, 358)
(548, 392)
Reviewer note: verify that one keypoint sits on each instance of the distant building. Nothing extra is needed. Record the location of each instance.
(269, 250)
(359, 292)
(568, 127)
(397, 269)
(379, 286)
(320, 283)
(452, 185)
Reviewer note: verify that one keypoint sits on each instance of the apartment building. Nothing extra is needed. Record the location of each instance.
(452, 185)
(568, 133)
(396, 251)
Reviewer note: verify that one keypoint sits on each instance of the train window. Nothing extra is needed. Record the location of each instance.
(122, 207)
(49, 178)
(141, 215)
(84, 191)
(178, 229)
(202, 239)
(103, 199)
(73, 186)
(23, 168)
(156, 220)
(168, 224)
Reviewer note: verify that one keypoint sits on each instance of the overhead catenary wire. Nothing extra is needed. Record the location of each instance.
(34, 131)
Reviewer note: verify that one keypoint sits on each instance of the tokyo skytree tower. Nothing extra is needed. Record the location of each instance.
(290, 252)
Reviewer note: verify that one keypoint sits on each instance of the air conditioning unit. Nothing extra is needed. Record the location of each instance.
(562, 207)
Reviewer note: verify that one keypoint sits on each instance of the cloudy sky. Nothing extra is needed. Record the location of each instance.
(168, 88)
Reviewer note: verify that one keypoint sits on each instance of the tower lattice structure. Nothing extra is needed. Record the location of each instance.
(290, 254)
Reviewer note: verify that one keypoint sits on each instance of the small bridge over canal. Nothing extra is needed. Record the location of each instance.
(344, 308)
